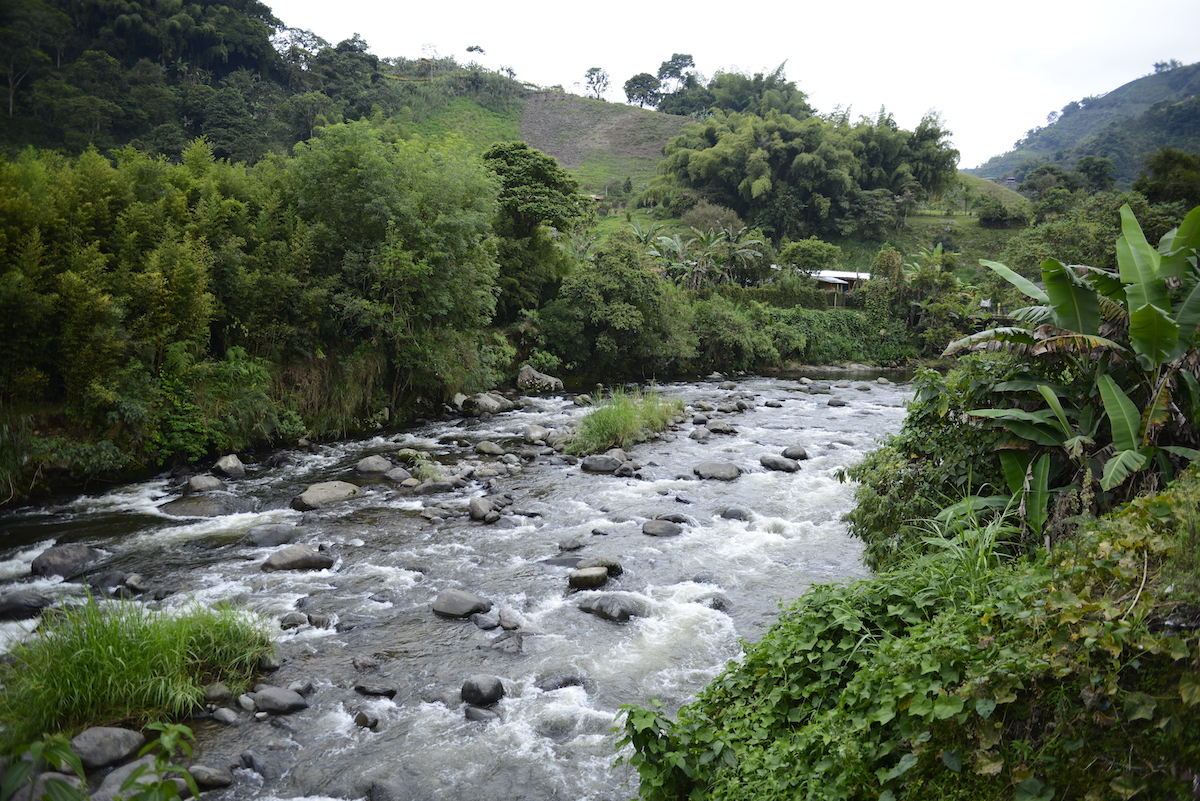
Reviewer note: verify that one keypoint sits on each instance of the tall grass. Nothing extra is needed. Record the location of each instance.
(98, 664)
(616, 422)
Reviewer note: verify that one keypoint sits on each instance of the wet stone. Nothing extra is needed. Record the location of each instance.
(460, 603)
(795, 452)
(378, 690)
(661, 528)
(482, 690)
(588, 578)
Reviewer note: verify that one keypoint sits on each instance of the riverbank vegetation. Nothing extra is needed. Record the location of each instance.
(619, 420)
(108, 663)
(1034, 630)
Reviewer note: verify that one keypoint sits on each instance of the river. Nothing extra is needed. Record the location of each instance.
(704, 592)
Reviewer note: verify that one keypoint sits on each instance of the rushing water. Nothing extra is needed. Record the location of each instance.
(705, 591)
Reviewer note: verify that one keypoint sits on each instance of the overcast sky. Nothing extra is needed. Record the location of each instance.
(991, 70)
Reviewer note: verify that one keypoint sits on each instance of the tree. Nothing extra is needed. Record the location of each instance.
(1099, 174)
(596, 80)
(643, 89)
(675, 69)
(1167, 66)
(539, 203)
(1174, 176)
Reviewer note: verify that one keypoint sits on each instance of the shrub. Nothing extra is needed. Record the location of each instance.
(96, 664)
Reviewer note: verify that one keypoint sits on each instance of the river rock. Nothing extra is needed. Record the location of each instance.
(489, 448)
(482, 403)
(536, 433)
(373, 464)
(720, 427)
(836, 402)
(198, 484)
(226, 716)
(528, 378)
(376, 690)
(735, 513)
(774, 404)
(661, 528)
(700, 434)
(64, 560)
(617, 608)
(22, 605)
(292, 620)
(563, 678)
(279, 701)
(230, 466)
(583, 400)
(101, 746)
(607, 562)
(795, 452)
(619, 454)
(270, 535)
(217, 693)
(783, 464)
(298, 557)
(588, 578)
(480, 508)
(397, 474)
(460, 603)
(210, 504)
(482, 690)
(111, 785)
(863, 387)
(478, 714)
(209, 776)
(720, 471)
(323, 494)
(600, 463)
(882, 380)
(367, 720)
(727, 385)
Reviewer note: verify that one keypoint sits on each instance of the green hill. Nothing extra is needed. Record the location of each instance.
(1160, 110)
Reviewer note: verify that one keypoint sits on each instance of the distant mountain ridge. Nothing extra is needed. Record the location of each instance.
(1125, 125)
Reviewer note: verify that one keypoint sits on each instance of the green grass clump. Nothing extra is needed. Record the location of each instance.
(102, 664)
(617, 422)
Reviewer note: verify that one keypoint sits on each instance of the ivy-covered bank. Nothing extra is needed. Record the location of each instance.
(965, 674)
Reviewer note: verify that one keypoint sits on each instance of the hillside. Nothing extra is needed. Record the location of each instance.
(597, 141)
(1082, 123)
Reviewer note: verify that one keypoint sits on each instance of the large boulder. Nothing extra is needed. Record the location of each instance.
(298, 557)
(22, 605)
(481, 690)
(482, 403)
(460, 603)
(230, 466)
(270, 535)
(588, 578)
(536, 433)
(64, 560)
(528, 378)
(323, 494)
(773, 462)
(101, 746)
(796, 452)
(720, 471)
(661, 528)
(279, 701)
(373, 464)
(617, 608)
(197, 484)
(600, 463)
(209, 504)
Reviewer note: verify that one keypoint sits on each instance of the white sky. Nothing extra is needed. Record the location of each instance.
(992, 70)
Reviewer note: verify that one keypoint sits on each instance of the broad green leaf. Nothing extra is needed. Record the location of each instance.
(1039, 495)
(1128, 785)
(1016, 279)
(1056, 407)
(907, 763)
(1040, 417)
(1014, 464)
(1041, 434)
(1139, 706)
(1107, 284)
(1187, 453)
(1007, 334)
(1138, 264)
(969, 506)
(1187, 317)
(1026, 385)
(952, 760)
(1074, 304)
(1179, 245)
(1123, 414)
(16, 775)
(1120, 467)
(1153, 333)
(985, 707)
(947, 706)
(1189, 689)
(1033, 790)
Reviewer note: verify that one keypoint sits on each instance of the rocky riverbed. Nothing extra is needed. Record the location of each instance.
(461, 604)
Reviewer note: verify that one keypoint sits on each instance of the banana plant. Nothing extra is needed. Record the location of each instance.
(1129, 337)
